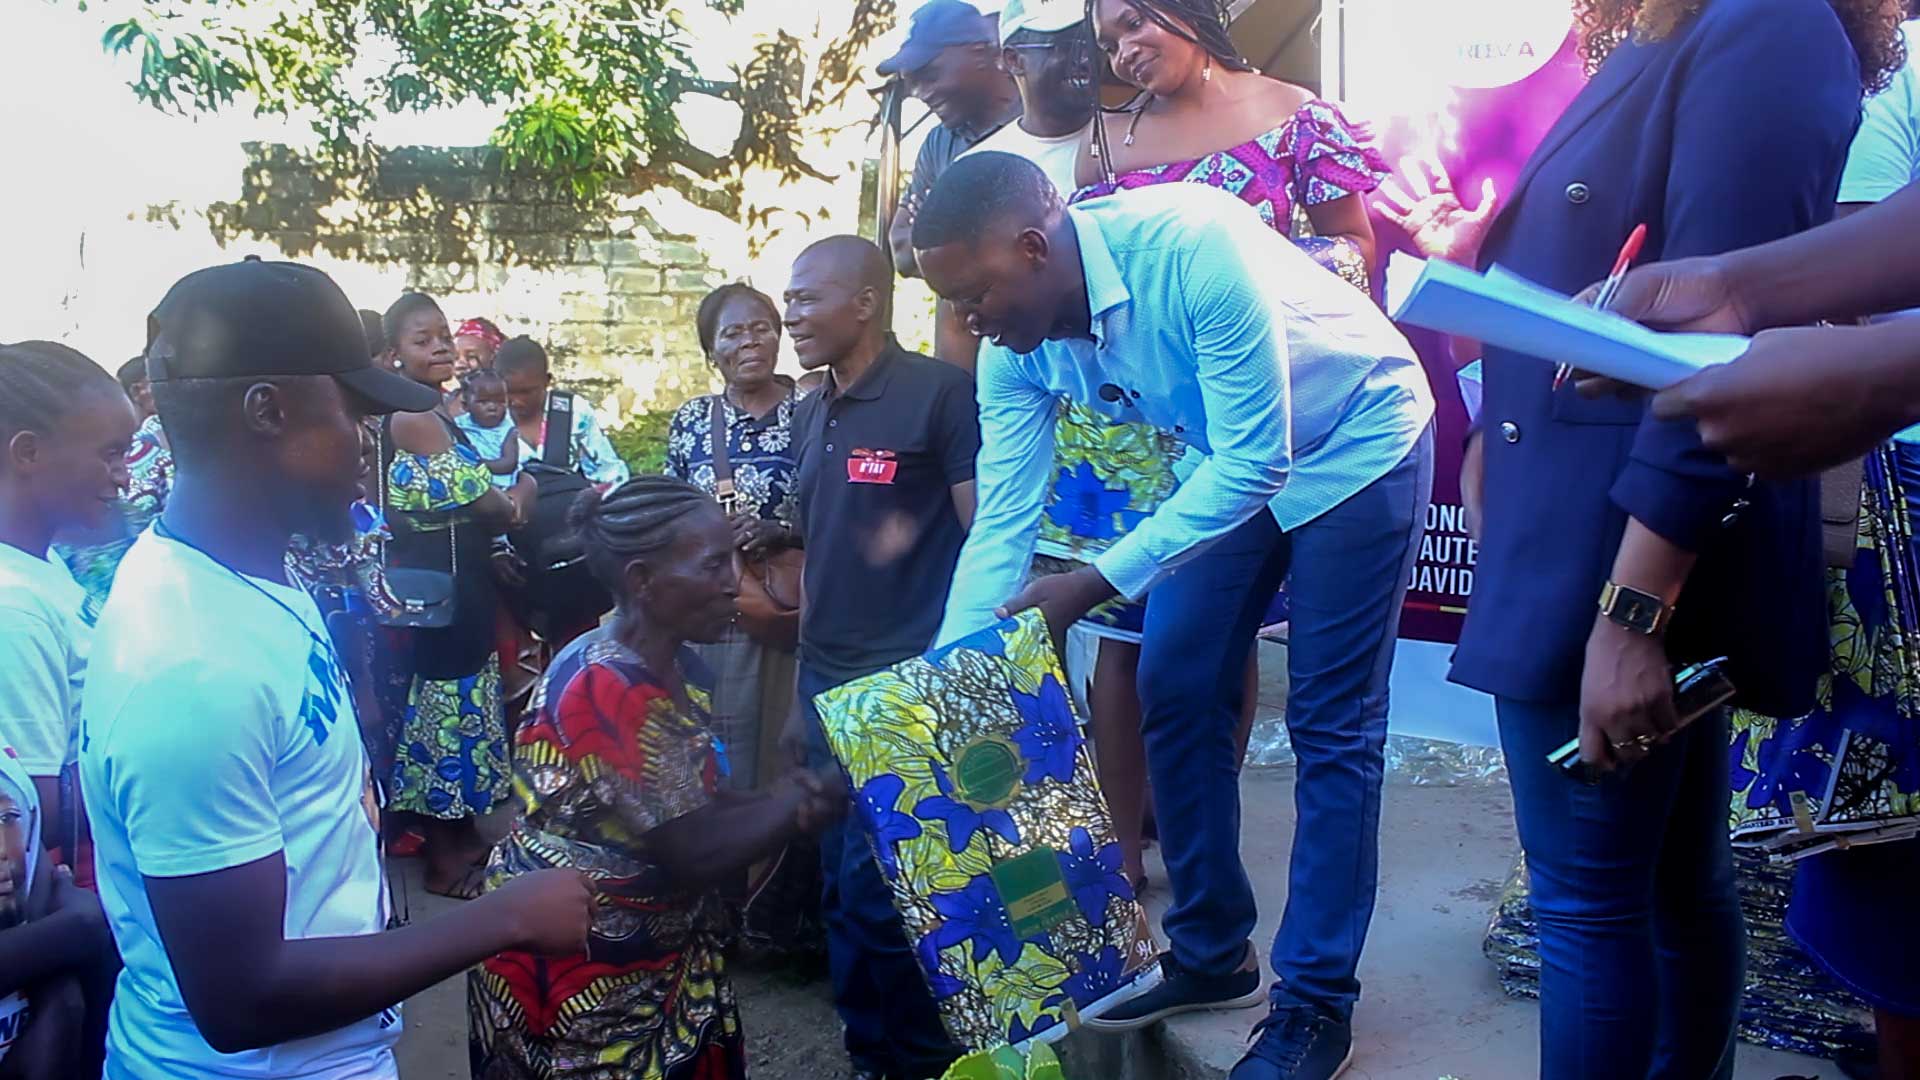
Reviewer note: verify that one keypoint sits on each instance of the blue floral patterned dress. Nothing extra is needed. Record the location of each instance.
(760, 454)
(450, 759)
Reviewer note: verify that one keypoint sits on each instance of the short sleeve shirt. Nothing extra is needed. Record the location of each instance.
(45, 625)
(760, 453)
(945, 145)
(1885, 155)
(878, 461)
(231, 739)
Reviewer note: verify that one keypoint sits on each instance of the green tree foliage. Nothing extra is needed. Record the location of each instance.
(641, 442)
(589, 87)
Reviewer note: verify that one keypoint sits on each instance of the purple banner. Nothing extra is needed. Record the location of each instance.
(1457, 94)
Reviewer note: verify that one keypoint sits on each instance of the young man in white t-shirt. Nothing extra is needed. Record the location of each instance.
(1046, 46)
(225, 776)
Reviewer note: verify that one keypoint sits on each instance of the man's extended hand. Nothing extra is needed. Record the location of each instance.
(551, 911)
(1802, 400)
(1062, 599)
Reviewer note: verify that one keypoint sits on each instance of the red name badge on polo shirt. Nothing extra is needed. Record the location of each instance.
(871, 467)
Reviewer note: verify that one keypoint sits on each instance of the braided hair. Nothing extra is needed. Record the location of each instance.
(637, 520)
(1201, 22)
(1198, 22)
(40, 381)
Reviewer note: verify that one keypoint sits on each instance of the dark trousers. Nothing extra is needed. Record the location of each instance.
(1642, 947)
(893, 1026)
(1350, 568)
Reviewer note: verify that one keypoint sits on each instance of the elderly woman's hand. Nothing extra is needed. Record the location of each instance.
(819, 798)
(758, 536)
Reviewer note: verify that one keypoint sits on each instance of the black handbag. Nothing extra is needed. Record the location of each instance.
(560, 594)
(423, 599)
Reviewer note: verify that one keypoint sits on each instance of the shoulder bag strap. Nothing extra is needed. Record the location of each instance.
(382, 436)
(722, 470)
(561, 405)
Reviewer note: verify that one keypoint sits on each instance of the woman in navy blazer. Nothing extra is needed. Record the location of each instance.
(1717, 124)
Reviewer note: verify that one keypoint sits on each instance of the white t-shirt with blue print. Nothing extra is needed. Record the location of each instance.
(216, 730)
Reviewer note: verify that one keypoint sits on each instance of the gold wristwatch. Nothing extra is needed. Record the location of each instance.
(1640, 612)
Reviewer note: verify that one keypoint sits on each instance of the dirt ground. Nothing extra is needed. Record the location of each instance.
(792, 1032)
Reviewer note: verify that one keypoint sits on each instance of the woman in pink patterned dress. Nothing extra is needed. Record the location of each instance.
(1205, 115)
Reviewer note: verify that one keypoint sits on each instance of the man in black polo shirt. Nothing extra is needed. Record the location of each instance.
(886, 494)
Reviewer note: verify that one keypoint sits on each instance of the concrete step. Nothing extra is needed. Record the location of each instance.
(1431, 1006)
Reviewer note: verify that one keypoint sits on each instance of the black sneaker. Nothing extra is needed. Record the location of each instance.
(1296, 1044)
(1180, 991)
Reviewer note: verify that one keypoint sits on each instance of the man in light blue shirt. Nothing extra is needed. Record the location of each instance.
(1307, 422)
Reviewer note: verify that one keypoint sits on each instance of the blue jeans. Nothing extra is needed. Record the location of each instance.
(1642, 945)
(893, 1026)
(1350, 569)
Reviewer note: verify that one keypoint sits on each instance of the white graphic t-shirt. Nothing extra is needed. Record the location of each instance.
(45, 623)
(1057, 156)
(217, 729)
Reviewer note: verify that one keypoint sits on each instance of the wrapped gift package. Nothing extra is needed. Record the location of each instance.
(976, 788)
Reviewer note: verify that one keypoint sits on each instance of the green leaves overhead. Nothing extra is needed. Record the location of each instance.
(589, 87)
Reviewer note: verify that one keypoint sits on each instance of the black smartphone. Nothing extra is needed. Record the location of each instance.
(1698, 689)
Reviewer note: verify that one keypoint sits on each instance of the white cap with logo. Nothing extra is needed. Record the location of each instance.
(1043, 16)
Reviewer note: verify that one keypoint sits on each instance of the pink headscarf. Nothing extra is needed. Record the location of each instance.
(482, 329)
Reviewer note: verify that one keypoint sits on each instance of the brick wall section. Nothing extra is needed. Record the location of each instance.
(609, 291)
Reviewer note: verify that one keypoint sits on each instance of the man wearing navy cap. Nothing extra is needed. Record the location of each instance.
(951, 63)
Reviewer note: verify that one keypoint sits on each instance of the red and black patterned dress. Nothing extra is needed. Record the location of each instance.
(607, 758)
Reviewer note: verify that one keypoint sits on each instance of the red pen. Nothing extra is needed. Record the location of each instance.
(1629, 251)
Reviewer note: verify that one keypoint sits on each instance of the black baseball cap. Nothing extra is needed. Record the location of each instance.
(256, 319)
(937, 25)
